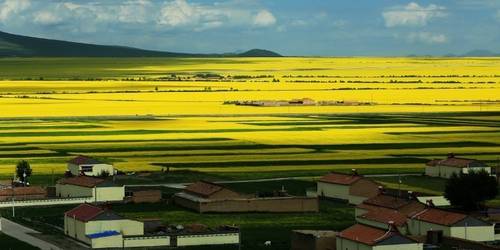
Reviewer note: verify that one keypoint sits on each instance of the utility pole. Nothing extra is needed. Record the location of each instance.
(13, 195)
(13, 205)
(399, 185)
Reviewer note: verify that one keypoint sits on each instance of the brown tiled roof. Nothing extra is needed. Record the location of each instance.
(412, 208)
(338, 178)
(83, 181)
(457, 162)
(365, 234)
(84, 212)
(203, 188)
(81, 159)
(387, 201)
(438, 216)
(20, 191)
(385, 215)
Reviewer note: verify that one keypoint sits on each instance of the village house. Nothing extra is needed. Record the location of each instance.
(102, 228)
(23, 193)
(204, 196)
(414, 218)
(99, 228)
(101, 190)
(452, 224)
(363, 237)
(445, 168)
(84, 165)
(353, 188)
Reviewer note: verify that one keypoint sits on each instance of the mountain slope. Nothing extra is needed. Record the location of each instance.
(24, 46)
(259, 53)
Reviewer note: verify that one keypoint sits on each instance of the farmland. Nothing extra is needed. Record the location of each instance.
(149, 114)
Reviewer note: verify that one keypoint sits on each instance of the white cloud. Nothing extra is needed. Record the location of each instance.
(134, 11)
(46, 18)
(427, 37)
(196, 16)
(264, 19)
(412, 15)
(12, 7)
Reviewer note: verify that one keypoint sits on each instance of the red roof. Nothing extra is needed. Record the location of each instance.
(20, 191)
(83, 181)
(440, 217)
(385, 215)
(84, 212)
(338, 178)
(365, 234)
(203, 188)
(81, 159)
(457, 162)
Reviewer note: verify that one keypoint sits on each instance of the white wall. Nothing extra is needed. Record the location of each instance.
(147, 241)
(214, 239)
(96, 169)
(333, 191)
(125, 227)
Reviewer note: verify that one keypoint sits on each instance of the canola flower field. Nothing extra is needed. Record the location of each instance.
(153, 113)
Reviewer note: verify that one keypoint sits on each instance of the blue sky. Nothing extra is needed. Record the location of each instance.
(290, 27)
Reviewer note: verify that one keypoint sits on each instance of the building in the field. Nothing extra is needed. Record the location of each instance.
(353, 188)
(98, 227)
(84, 165)
(363, 237)
(204, 197)
(101, 190)
(451, 224)
(102, 228)
(414, 218)
(313, 239)
(445, 168)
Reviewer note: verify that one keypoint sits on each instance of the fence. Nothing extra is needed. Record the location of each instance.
(45, 202)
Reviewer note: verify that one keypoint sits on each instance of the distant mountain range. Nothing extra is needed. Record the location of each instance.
(476, 53)
(12, 45)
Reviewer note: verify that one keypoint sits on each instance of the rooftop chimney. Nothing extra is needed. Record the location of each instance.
(354, 172)
(392, 226)
(430, 203)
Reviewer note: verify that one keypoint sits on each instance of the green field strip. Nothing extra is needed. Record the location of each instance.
(30, 155)
(146, 132)
(232, 154)
(214, 139)
(50, 127)
(229, 164)
(360, 146)
(26, 148)
(451, 132)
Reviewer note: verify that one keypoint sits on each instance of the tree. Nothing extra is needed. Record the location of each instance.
(470, 191)
(23, 170)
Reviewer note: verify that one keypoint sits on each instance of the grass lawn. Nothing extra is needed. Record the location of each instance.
(9, 243)
(422, 184)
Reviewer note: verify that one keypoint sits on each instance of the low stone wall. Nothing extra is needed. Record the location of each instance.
(270, 205)
(146, 196)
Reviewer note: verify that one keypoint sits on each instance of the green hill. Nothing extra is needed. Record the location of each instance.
(24, 46)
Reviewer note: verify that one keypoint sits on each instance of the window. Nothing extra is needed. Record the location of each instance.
(87, 168)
